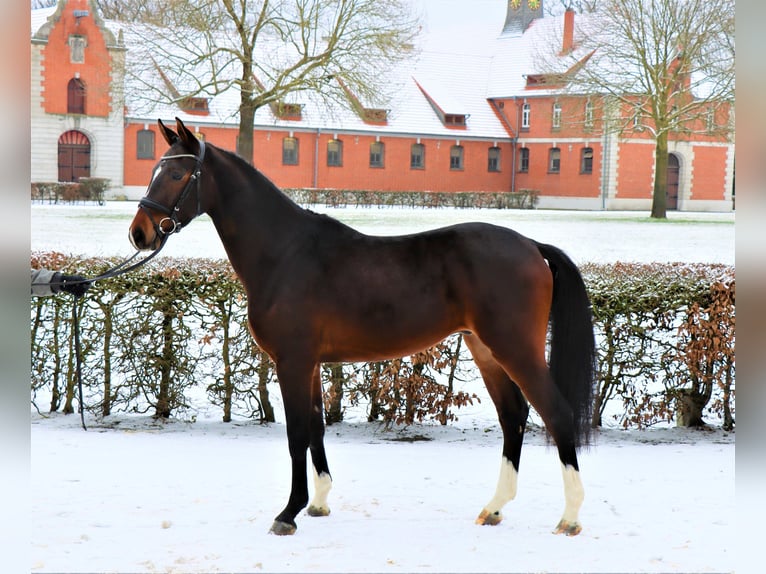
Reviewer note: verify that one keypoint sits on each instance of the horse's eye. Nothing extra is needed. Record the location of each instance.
(176, 175)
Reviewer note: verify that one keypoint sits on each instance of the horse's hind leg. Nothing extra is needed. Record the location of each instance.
(322, 478)
(538, 387)
(512, 411)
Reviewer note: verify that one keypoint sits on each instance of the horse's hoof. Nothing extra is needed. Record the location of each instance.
(282, 528)
(568, 528)
(318, 511)
(487, 518)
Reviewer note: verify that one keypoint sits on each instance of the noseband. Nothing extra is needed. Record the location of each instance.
(171, 213)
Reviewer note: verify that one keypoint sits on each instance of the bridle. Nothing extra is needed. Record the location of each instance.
(171, 213)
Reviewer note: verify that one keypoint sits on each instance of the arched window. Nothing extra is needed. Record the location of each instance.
(335, 153)
(456, 157)
(526, 111)
(556, 119)
(417, 156)
(524, 160)
(554, 160)
(290, 151)
(377, 154)
(145, 144)
(586, 160)
(75, 96)
(493, 159)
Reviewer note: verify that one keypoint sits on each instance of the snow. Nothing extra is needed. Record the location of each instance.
(133, 494)
(587, 236)
(136, 495)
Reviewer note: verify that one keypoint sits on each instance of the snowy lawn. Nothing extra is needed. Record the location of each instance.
(137, 495)
(587, 236)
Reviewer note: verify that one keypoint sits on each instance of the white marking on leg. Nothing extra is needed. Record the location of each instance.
(506, 491)
(574, 494)
(322, 486)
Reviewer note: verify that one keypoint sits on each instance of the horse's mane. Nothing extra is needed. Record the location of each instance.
(250, 171)
(258, 178)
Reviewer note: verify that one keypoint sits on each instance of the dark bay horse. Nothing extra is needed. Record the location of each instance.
(319, 291)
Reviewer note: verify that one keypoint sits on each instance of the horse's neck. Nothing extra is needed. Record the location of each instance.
(255, 222)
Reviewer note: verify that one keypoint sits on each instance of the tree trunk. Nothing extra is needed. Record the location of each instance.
(263, 392)
(377, 368)
(455, 359)
(334, 414)
(163, 407)
(106, 404)
(728, 419)
(659, 199)
(245, 136)
(228, 386)
(55, 392)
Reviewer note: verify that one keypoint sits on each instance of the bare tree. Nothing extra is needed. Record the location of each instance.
(667, 66)
(579, 6)
(266, 50)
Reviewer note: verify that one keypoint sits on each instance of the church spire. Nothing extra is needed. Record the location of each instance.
(520, 14)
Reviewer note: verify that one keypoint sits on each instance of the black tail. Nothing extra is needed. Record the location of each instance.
(573, 345)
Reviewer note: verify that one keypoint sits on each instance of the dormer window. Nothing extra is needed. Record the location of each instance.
(77, 45)
(454, 120)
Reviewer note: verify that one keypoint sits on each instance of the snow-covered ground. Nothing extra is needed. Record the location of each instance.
(137, 495)
(593, 236)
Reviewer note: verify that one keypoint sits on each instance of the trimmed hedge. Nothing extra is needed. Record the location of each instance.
(665, 336)
(86, 189)
(521, 199)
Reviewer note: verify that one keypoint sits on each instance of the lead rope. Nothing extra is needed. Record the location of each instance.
(119, 269)
(77, 354)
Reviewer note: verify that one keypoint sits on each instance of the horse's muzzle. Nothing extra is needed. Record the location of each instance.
(142, 234)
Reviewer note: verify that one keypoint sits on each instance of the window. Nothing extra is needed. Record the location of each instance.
(586, 160)
(417, 156)
(525, 112)
(710, 120)
(376, 154)
(335, 153)
(554, 160)
(493, 159)
(145, 144)
(637, 116)
(588, 115)
(524, 160)
(290, 151)
(75, 97)
(77, 49)
(456, 157)
(556, 119)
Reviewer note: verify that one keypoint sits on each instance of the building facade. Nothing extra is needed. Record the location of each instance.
(484, 128)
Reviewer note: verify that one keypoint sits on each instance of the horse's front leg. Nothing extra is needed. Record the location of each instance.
(295, 383)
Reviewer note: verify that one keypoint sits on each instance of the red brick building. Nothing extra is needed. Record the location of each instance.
(467, 116)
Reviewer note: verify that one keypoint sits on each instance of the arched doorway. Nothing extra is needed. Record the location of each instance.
(673, 177)
(74, 156)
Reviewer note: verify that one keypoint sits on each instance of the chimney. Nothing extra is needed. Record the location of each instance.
(568, 43)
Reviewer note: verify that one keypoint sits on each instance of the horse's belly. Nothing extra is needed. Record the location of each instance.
(377, 340)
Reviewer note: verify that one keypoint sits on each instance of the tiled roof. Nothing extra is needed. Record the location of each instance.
(458, 72)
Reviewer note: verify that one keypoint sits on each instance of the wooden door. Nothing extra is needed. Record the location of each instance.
(74, 156)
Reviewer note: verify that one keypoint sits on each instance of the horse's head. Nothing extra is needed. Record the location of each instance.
(173, 197)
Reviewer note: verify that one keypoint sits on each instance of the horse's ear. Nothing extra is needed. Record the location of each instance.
(170, 136)
(187, 137)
